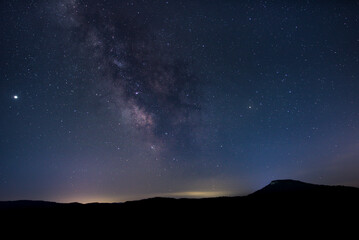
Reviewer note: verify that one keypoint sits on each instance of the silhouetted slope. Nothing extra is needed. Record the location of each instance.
(298, 189)
(279, 197)
(284, 206)
(286, 186)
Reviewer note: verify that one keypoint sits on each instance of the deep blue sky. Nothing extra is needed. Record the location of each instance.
(119, 100)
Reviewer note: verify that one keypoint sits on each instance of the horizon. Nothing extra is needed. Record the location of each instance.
(173, 195)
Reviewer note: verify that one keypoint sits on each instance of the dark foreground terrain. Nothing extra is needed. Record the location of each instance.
(281, 204)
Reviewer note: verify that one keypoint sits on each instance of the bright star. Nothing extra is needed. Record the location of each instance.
(15, 96)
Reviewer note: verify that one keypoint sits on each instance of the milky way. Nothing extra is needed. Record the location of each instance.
(154, 89)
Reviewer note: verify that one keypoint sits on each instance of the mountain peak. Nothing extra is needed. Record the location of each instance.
(287, 186)
(287, 182)
(295, 188)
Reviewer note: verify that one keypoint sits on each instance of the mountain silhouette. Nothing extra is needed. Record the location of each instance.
(287, 203)
(278, 191)
(285, 188)
(303, 198)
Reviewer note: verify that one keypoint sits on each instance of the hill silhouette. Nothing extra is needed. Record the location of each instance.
(277, 192)
(285, 202)
(291, 188)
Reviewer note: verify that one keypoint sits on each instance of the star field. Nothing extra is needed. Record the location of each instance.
(118, 100)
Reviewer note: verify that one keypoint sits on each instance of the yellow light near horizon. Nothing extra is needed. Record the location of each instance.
(199, 194)
(123, 198)
(90, 199)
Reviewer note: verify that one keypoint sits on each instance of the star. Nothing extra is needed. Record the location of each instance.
(15, 97)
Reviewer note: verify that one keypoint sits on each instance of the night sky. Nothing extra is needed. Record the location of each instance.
(111, 101)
